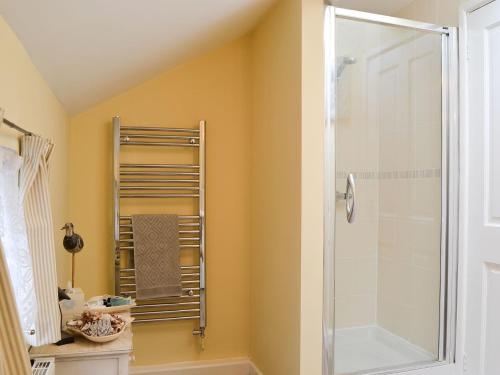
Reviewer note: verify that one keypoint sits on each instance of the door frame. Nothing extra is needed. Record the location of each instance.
(450, 205)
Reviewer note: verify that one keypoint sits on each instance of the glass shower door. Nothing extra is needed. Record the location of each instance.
(388, 118)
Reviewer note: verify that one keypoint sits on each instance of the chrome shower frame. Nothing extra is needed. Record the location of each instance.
(450, 186)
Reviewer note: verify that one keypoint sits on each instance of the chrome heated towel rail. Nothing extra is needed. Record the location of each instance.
(164, 182)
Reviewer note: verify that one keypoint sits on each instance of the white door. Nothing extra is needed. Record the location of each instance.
(482, 333)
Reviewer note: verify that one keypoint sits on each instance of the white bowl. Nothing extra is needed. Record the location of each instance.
(102, 338)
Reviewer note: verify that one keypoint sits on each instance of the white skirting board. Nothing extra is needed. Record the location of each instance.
(235, 366)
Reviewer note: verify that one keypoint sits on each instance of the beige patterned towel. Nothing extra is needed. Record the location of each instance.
(156, 256)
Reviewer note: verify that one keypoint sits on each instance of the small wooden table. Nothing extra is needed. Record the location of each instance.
(84, 357)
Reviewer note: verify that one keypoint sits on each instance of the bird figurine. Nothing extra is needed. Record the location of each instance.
(73, 243)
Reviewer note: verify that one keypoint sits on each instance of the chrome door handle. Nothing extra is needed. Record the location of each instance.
(350, 198)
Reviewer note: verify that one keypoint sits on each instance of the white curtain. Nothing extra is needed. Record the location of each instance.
(34, 187)
(14, 241)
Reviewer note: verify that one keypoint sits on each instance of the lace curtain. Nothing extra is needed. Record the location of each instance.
(14, 241)
(27, 238)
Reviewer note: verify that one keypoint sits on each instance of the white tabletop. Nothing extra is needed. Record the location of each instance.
(84, 347)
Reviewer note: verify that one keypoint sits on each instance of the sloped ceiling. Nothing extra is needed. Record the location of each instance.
(90, 50)
(388, 7)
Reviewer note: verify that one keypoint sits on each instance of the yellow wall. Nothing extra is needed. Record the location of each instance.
(275, 259)
(312, 182)
(214, 87)
(29, 102)
(255, 93)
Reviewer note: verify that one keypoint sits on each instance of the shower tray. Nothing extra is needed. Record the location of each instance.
(371, 347)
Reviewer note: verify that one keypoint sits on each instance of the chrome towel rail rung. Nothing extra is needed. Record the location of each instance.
(162, 129)
(158, 180)
(180, 232)
(131, 195)
(181, 246)
(157, 136)
(181, 225)
(182, 275)
(176, 166)
(194, 267)
(183, 297)
(128, 244)
(128, 239)
(131, 240)
(157, 305)
(124, 188)
(165, 312)
(183, 282)
(158, 173)
(129, 285)
(166, 319)
(181, 217)
(129, 292)
(171, 144)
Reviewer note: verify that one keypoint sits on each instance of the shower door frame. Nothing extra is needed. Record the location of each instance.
(449, 190)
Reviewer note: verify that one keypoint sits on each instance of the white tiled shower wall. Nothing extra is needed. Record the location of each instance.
(410, 205)
(356, 150)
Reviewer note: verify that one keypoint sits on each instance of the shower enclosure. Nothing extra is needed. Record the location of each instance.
(391, 199)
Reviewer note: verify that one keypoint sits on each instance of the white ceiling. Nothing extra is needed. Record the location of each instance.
(387, 7)
(90, 50)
